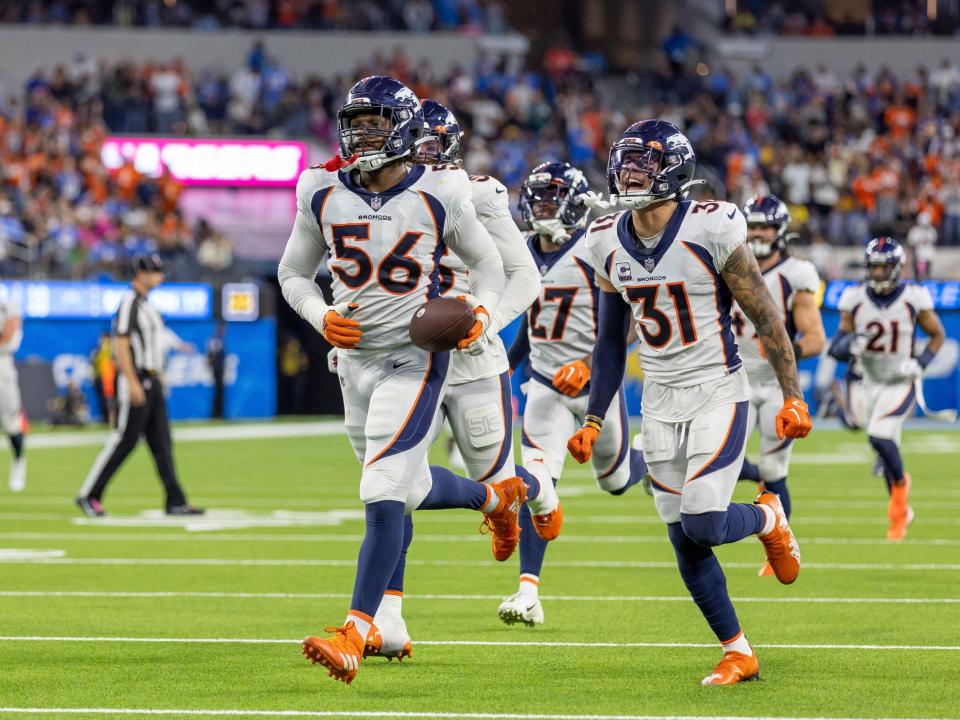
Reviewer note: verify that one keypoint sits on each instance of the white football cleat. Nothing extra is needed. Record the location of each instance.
(520, 607)
(18, 474)
(389, 638)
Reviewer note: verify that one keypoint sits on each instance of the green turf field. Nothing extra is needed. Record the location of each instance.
(870, 629)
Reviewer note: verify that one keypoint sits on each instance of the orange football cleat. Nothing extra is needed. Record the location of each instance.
(374, 647)
(783, 551)
(735, 667)
(341, 654)
(502, 522)
(548, 525)
(898, 509)
(765, 570)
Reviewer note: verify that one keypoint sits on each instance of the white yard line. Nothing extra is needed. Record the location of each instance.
(173, 712)
(85, 535)
(469, 643)
(303, 562)
(685, 599)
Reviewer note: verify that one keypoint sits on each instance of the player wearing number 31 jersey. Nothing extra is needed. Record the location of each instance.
(386, 224)
(675, 266)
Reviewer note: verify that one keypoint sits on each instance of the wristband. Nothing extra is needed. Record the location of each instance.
(926, 357)
(592, 421)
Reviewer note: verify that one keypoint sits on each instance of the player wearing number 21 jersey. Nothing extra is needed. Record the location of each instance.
(878, 320)
(673, 267)
(385, 224)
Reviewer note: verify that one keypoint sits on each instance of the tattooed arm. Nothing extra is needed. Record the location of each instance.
(750, 291)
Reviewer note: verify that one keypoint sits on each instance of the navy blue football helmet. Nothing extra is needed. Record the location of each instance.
(767, 211)
(441, 135)
(397, 132)
(551, 200)
(660, 164)
(887, 254)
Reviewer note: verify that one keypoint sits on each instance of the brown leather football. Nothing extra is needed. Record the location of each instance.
(439, 324)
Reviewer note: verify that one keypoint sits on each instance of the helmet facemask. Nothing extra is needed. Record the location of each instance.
(550, 211)
(437, 146)
(883, 275)
(763, 239)
(372, 132)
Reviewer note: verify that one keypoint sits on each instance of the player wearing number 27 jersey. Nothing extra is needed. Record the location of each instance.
(674, 267)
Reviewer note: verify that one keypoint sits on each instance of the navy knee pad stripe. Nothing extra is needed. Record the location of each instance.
(733, 443)
(506, 407)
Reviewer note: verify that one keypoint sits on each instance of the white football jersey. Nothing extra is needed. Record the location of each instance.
(562, 323)
(491, 201)
(678, 298)
(9, 309)
(784, 280)
(889, 322)
(385, 248)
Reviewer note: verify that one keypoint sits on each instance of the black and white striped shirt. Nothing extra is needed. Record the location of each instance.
(138, 320)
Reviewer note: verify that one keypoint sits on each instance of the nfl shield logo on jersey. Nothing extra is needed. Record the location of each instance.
(649, 264)
(624, 272)
(375, 203)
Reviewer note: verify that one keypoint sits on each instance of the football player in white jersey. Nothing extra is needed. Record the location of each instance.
(477, 403)
(878, 320)
(557, 337)
(793, 284)
(676, 266)
(11, 407)
(386, 223)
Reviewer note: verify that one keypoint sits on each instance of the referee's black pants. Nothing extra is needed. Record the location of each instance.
(149, 420)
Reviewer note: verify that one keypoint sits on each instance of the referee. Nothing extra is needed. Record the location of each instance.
(140, 349)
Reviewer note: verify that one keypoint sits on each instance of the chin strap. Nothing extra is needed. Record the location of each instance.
(632, 202)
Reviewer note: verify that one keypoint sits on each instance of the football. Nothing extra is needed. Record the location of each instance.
(439, 324)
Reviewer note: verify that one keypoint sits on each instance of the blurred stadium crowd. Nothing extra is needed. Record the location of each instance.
(854, 156)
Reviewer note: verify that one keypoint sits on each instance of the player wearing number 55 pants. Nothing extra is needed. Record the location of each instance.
(878, 320)
(675, 266)
(793, 284)
(385, 223)
(557, 336)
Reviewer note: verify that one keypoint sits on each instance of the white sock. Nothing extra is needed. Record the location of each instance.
(771, 522)
(529, 585)
(363, 626)
(492, 501)
(739, 643)
(391, 605)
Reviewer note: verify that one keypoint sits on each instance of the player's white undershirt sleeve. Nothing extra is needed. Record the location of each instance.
(472, 244)
(523, 279)
(299, 265)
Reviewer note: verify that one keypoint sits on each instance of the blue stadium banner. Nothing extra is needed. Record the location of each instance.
(63, 322)
(76, 300)
(946, 295)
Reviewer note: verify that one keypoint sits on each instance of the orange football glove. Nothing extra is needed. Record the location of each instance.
(793, 420)
(474, 341)
(571, 378)
(338, 329)
(581, 444)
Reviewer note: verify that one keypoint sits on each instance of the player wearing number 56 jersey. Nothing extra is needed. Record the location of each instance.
(878, 320)
(385, 224)
(676, 266)
(793, 284)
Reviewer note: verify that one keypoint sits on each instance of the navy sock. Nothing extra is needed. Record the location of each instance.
(749, 471)
(379, 554)
(704, 578)
(890, 455)
(16, 442)
(727, 526)
(532, 546)
(638, 469)
(779, 488)
(530, 480)
(396, 582)
(452, 491)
